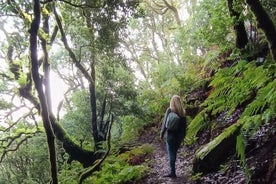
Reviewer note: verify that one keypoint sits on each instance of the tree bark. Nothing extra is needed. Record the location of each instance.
(175, 12)
(75, 152)
(241, 36)
(38, 85)
(89, 77)
(265, 23)
(85, 157)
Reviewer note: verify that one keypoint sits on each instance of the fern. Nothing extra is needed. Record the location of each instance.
(269, 114)
(243, 85)
(256, 75)
(197, 124)
(229, 90)
(240, 147)
(250, 125)
(264, 102)
(215, 106)
(236, 86)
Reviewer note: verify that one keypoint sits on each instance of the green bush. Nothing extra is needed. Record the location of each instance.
(121, 168)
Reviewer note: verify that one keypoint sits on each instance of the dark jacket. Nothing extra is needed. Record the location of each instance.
(175, 137)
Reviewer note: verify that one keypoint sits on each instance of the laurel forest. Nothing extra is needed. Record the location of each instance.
(85, 85)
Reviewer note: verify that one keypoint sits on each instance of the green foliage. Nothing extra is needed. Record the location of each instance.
(77, 121)
(131, 126)
(152, 102)
(250, 125)
(200, 122)
(167, 79)
(208, 26)
(117, 80)
(240, 147)
(123, 168)
(235, 85)
(67, 174)
(28, 164)
(264, 102)
(247, 85)
(229, 90)
(22, 80)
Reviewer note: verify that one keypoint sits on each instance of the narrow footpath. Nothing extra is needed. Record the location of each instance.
(160, 163)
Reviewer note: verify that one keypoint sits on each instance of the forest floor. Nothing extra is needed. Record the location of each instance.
(159, 162)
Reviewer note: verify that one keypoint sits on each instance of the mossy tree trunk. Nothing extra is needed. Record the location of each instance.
(241, 36)
(265, 23)
(39, 87)
(90, 77)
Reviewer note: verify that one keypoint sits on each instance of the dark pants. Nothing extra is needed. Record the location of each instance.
(172, 147)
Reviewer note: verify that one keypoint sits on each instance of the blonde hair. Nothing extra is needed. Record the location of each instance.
(176, 105)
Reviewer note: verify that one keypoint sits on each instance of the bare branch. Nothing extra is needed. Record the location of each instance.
(72, 4)
(71, 53)
(174, 10)
(10, 141)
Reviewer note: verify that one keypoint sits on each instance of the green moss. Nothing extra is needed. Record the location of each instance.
(203, 151)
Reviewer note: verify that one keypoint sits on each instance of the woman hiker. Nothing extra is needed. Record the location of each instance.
(174, 125)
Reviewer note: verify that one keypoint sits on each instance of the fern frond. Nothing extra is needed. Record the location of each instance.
(257, 75)
(250, 125)
(265, 99)
(240, 148)
(198, 123)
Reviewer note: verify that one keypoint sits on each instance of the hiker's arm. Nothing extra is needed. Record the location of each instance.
(163, 127)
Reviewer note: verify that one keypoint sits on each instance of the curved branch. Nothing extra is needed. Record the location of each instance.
(72, 4)
(71, 53)
(11, 139)
(175, 12)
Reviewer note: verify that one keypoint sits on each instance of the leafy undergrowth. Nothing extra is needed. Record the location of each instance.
(125, 167)
(250, 90)
(146, 164)
(260, 161)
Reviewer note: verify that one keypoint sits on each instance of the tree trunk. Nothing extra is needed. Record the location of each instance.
(38, 85)
(74, 150)
(241, 36)
(265, 23)
(93, 106)
(89, 77)
(85, 157)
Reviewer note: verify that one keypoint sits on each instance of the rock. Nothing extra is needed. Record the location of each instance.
(209, 157)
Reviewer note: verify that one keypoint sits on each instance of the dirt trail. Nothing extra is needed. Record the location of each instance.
(160, 162)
